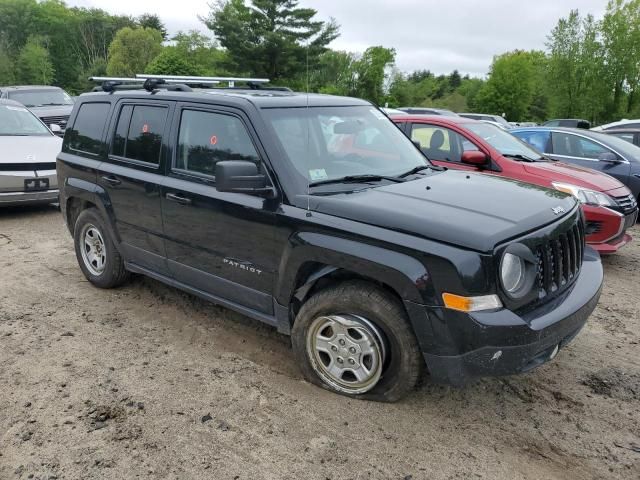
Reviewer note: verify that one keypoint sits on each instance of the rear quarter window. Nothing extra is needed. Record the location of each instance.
(88, 127)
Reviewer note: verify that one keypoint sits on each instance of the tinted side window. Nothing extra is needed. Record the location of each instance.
(541, 141)
(624, 136)
(439, 143)
(206, 138)
(575, 146)
(86, 134)
(139, 131)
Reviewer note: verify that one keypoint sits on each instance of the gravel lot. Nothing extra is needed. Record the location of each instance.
(147, 382)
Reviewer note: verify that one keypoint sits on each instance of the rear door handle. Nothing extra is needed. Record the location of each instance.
(178, 199)
(111, 180)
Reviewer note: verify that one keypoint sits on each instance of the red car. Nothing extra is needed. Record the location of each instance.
(463, 144)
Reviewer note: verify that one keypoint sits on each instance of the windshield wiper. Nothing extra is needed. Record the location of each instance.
(420, 168)
(357, 179)
(518, 156)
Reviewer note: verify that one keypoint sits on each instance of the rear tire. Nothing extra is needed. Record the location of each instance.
(99, 260)
(354, 339)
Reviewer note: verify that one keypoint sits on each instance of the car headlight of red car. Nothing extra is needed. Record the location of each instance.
(586, 196)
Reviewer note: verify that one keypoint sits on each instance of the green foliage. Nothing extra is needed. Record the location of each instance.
(150, 20)
(202, 52)
(7, 68)
(372, 73)
(132, 49)
(511, 84)
(33, 64)
(270, 38)
(172, 62)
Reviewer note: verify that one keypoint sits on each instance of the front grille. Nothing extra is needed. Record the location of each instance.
(24, 167)
(58, 120)
(627, 203)
(559, 261)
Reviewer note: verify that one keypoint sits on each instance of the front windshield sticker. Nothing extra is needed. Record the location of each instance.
(16, 109)
(378, 114)
(318, 174)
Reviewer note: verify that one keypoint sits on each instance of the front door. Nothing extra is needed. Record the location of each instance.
(579, 150)
(220, 243)
(132, 176)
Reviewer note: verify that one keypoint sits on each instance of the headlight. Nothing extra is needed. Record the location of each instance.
(590, 197)
(512, 273)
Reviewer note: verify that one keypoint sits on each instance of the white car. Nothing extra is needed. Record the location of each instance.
(28, 151)
(620, 124)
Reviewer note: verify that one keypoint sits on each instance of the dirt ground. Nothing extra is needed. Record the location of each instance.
(148, 382)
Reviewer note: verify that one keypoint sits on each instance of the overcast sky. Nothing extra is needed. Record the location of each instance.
(437, 35)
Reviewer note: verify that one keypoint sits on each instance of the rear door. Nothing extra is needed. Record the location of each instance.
(132, 176)
(583, 151)
(220, 243)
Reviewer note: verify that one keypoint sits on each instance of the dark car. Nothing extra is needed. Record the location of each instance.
(631, 135)
(606, 153)
(569, 123)
(51, 104)
(465, 144)
(316, 215)
(428, 111)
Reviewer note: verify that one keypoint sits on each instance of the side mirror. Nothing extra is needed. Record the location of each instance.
(55, 128)
(608, 157)
(474, 157)
(241, 177)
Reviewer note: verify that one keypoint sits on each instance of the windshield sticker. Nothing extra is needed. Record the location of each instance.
(377, 113)
(16, 109)
(318, 174)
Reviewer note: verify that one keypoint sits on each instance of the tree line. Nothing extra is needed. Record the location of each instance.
(589, 69)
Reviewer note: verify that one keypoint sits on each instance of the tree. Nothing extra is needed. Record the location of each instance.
(172, 62)
(33, 64)
(510, 86)
(202, 52)
(150, 20)
(372, 71)
(270, 38)
(335, 74)
(7, 68)
(132, 49)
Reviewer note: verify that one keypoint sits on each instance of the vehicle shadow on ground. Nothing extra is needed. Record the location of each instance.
(13, 212)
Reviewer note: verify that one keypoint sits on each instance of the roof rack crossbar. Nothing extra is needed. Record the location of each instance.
(188, 79)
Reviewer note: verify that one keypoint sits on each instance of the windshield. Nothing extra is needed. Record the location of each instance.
(503, 141)
(18, 121)
(40, 98)
(326, 143)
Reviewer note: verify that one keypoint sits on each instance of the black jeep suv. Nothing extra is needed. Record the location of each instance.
(316, 215)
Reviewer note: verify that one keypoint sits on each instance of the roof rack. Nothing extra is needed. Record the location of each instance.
(231, 81)
(182, 83)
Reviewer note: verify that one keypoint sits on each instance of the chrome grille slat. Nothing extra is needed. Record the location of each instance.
(559, 261)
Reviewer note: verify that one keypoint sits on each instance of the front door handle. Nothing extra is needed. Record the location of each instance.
(111, 180)
(178, 199)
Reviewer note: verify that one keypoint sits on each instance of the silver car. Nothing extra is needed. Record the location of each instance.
(28, 152)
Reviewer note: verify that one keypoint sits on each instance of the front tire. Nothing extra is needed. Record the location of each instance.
(354, 339)
(99, 260)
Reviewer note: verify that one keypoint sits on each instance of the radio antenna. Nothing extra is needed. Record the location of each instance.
(308, 173)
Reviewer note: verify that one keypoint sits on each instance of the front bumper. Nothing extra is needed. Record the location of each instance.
(467, 346)
(609, 228)
(13, 189)
(28, 198)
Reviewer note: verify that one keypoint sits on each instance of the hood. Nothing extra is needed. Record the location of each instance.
(29, 149)
(52, 111)
(573, 174)
(469, 210)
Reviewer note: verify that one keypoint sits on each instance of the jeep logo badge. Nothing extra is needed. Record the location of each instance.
(558, 210)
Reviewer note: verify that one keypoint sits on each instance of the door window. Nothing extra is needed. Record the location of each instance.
(541, 141)
(575, 146)
(206, 138)
(86, 134)
(139, 131)
(624, 136)
(440, 143)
